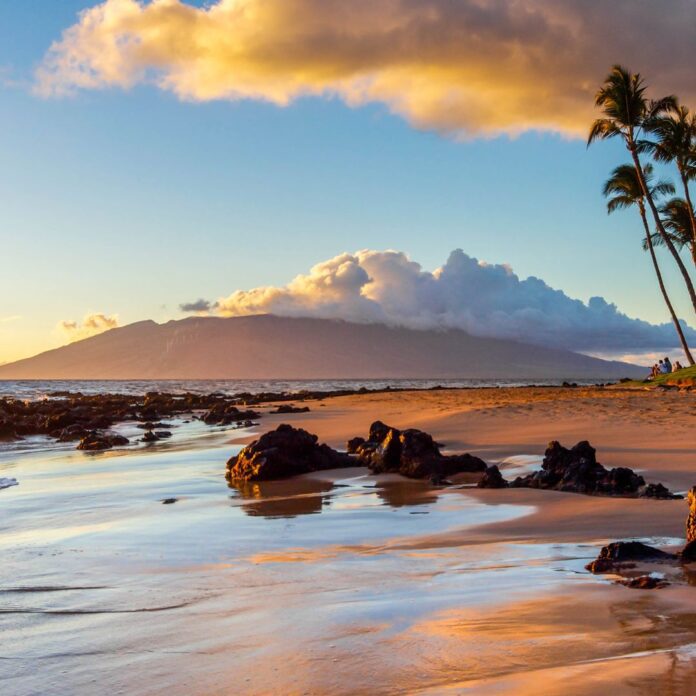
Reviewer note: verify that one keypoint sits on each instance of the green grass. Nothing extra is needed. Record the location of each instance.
(685, 376)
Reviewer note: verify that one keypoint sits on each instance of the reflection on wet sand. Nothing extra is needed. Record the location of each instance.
(301, 496)
(306, 495)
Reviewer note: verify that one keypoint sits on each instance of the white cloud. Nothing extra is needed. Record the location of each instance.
(482, 299)
(465, 66)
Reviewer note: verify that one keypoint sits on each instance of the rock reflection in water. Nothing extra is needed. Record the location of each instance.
(287, 498)
(400, 493)
(309, 496)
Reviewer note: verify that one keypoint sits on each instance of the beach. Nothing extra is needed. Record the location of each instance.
(344, 582)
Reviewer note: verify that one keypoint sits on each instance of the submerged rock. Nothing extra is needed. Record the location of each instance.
(412, 453)
(96, 440)
(618, 554)
(577, 470)
(645, 582)
(283, 452)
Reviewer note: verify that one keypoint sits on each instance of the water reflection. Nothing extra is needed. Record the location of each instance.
(310, 496)
(397, 494)
(287, 498)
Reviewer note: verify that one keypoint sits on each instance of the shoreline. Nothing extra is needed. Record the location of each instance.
(382, 583)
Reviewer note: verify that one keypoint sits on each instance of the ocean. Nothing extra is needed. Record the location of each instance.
(37, 389)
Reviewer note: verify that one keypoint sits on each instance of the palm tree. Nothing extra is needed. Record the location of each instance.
(677, 222)
(626, 111)
(676, 142)
(624, 190)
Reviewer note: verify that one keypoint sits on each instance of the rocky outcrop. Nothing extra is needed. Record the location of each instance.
(576, 470)
(96, 440)
(411, 453)
(284, 452)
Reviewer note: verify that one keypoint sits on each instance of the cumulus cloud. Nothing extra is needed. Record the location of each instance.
(91, 325)
(467, 67)
(200, 306)
(482, 299)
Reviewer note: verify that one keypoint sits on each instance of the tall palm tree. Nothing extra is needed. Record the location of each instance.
(677, 222)
(675, 131)
(626, 111)
(623, 190)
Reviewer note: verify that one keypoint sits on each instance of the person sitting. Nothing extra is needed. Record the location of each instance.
(677, 366)
(661, 368)
(666, 366)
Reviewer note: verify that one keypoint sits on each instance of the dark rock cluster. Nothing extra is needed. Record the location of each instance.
(76, 417)
(576, 470)
(283, 452)
(410, 452)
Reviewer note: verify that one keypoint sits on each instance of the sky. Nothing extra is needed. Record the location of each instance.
(155, 154)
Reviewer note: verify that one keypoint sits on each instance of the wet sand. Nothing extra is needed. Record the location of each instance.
(341, 582)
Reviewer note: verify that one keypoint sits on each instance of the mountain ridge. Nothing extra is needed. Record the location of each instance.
(271, 347)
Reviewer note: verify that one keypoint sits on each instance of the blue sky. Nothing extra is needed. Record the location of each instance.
(130, 202)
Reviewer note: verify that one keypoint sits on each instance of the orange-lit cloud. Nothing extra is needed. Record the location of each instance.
(465, 67)
(91, 325)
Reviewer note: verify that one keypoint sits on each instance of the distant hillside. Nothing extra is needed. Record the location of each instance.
(267, 347)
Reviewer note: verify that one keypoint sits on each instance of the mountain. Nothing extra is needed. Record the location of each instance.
(267, 346)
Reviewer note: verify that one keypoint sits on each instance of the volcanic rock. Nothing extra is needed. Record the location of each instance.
(283, 452)
(96, 440)
(577, 470)
(289, 408)
(492, 478)
(411, 453)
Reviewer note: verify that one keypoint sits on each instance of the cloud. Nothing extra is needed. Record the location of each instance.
(480, 298)
(7, 320)
(91, 325)
(199, 306)
(465, 67)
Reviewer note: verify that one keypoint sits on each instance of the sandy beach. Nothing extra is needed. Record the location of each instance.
(342, 582)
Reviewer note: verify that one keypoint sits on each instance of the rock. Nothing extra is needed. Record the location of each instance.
(8, 433)
(691, 519)
(645, 582)
(354, 444)
(411, 453)
(95, 440)
(289, 408)
(688, 554)
(617, 554)
(169, 501)
(577, 470)
(162, 434)
(658, 491)
(283, 452)
(492, 478)
(149, 436)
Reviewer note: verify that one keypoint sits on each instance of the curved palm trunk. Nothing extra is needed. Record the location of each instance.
(658, 273)
(692, 215)
(658, 222)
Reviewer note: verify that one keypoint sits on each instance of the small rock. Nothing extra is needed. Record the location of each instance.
(644, 582)
(492, 478)
(169, 501)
